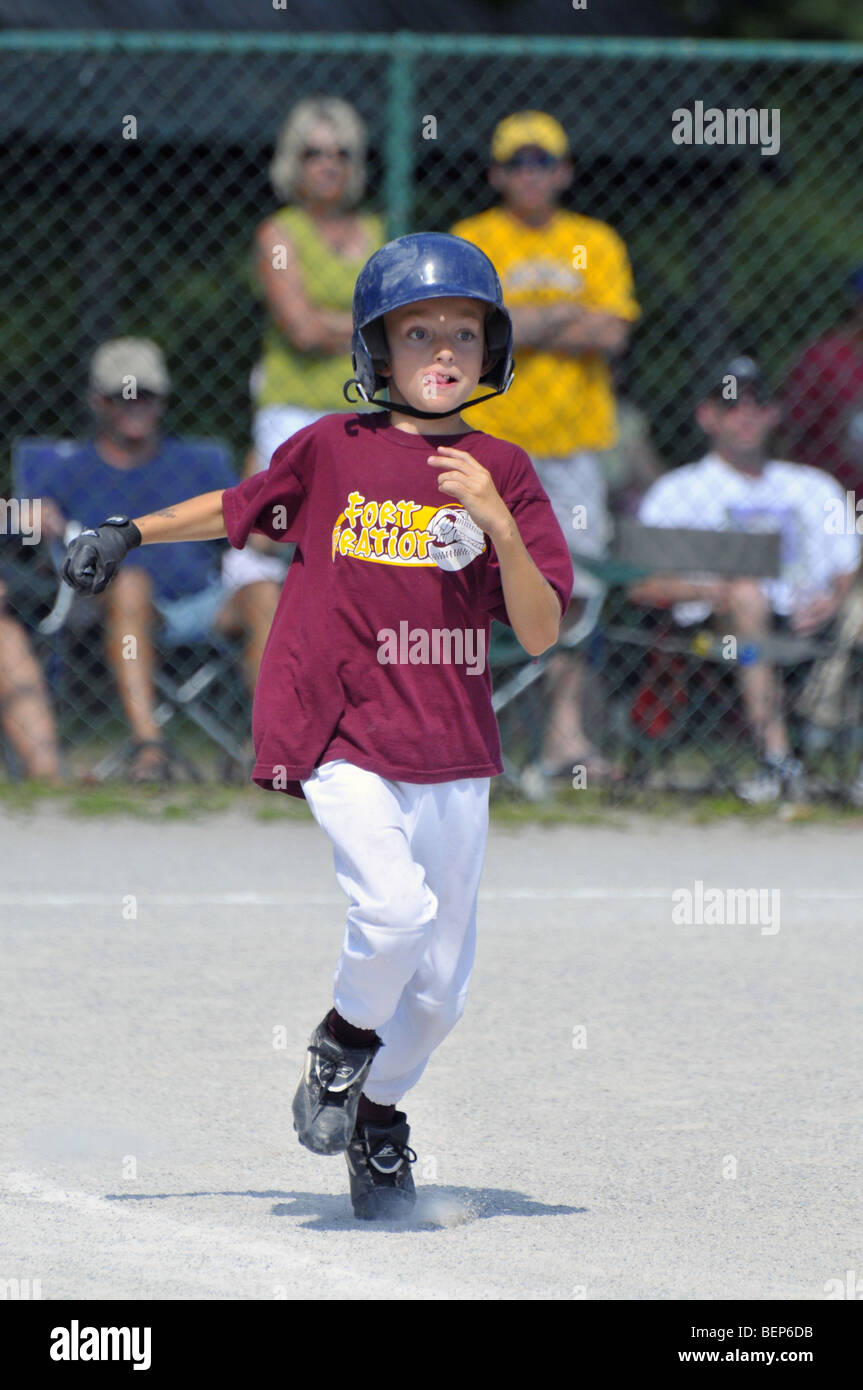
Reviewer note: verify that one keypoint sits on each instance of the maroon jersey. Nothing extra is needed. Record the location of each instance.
(378, 652)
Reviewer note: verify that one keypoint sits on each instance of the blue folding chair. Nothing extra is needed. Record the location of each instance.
(35, 463)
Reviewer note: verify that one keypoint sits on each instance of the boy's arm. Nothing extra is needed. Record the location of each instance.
(198, 519)
(531, 602)
(532, 606)
(96, 554)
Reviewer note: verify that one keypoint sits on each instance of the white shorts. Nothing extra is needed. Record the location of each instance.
(250, 566)
(409, 859)
(273, 424)
(191, 618)
(578, 493)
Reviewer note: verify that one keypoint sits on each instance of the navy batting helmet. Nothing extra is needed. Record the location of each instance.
(426, 265)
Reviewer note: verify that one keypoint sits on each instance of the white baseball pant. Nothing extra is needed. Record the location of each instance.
(409, 859)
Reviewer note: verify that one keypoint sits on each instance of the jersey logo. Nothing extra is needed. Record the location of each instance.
(455, 538)
(542, 273)
(405, 533)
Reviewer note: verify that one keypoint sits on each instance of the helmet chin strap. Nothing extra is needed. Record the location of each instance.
(410, 409)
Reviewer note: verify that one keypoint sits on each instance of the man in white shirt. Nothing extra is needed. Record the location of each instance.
(737, 486)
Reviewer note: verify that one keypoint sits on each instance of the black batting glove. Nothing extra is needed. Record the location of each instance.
(94, 556)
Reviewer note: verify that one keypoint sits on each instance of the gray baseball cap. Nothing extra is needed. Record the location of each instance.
(115, 362)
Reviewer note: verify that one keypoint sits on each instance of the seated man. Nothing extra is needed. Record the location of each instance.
(130, 468)
(737, 486)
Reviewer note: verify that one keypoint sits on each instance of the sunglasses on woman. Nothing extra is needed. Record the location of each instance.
(118, 398)
(314, 152)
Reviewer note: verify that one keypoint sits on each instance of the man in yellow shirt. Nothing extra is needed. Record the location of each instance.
(568, 287)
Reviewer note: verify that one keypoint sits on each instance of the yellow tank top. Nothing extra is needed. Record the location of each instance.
(285, 376)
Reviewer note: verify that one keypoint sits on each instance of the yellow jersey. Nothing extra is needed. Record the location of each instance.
(558, 403)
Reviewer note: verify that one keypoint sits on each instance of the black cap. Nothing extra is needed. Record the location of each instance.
(739, 374)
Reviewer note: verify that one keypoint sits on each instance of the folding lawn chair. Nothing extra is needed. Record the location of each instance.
(35, 461)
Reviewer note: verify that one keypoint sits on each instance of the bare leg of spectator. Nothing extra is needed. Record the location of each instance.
(748, 617)
(129, 615)
(564, 734)
(249, 613)
(25, 709)
(566, 742)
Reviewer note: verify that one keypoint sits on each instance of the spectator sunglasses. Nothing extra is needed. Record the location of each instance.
(531, 159)
(117, 397)
(316, 152)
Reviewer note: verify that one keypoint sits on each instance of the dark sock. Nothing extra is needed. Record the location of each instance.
(346, 1034)
(369, 1113)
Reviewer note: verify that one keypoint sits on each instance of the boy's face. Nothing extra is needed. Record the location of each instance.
(437, 352)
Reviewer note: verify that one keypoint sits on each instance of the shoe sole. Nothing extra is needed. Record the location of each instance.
(386, 1204)
(326, 1146)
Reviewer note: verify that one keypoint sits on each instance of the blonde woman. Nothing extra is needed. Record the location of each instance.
(307, 257)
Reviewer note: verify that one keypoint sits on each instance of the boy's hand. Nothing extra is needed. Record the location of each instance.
(94, 556)
(472, 485)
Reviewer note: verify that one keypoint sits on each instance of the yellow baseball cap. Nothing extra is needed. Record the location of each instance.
(528, 128)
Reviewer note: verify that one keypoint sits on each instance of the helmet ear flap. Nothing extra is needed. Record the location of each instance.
(376, 343)
(497, 340)
(369, 353)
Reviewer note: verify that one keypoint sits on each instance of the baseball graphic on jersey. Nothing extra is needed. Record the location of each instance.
(455, 538)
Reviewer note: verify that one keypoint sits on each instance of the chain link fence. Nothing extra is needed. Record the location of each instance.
(136, 181)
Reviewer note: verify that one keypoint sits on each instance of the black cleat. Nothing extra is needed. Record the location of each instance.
(325, 1105)
(379, 1162)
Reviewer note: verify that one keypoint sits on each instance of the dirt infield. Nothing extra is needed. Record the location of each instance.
(645, 1098)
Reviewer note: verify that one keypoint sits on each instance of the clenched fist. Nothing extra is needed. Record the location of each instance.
(94, 556)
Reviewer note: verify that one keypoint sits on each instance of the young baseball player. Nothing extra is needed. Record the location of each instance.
(374, 695)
